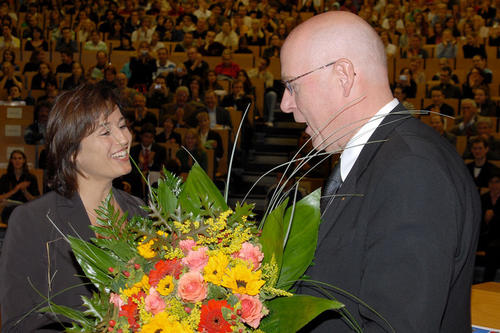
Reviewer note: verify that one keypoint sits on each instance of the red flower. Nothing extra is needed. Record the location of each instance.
(211, 317)
(130, 311)
(164, 268)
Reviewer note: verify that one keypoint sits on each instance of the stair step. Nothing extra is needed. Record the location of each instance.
(285, 141)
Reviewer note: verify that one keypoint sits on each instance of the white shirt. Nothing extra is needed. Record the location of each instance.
(358, 141)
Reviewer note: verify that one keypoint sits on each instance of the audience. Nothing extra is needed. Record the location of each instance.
(480, 168)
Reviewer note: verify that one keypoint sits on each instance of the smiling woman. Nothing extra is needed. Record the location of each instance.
(88, 145)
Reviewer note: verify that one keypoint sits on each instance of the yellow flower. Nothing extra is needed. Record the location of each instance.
(241, 280)
(215, 268)
(146, 249)
(165, 286)
(162, 323)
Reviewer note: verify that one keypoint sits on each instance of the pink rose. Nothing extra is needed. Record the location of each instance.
(191, 287)
(186, 245)
(116, 300)
(250, 253)
(196, 260)
(251, 309)
(154, 302)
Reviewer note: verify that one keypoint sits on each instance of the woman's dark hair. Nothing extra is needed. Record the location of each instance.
(10, 167)
(73, 117)
(247, 84)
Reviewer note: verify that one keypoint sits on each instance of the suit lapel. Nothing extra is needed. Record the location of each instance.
(72, 217)
(349, 189)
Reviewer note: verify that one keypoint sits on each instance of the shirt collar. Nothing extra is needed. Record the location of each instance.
(357, 142)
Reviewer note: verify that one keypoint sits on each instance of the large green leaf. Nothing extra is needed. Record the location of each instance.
(166, 198)
(289, 314)
(94, 261)
(123, 251)
(70, 313)
(199, 185)
(302, 239)
(273, 235)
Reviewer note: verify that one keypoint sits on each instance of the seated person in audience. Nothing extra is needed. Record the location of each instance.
(437, 122)
(125, 44)
(414, 48)
(270, 95)
(479, 62)
(227, 36)
(15, 97)
(9, 79)
(274, 49)
(438, 105)
(406, 81)
(211, 82)
(158, 93)
(195, 65)
(125, 93)
(34, 134)
(486, 106)
(96, 72)
(144, 32)
(7, 39)
(448, 47)
(185, 111)
(481, 169)
(196, 92)
(155, 43)
(187, 42)
(76, 78)
(163, 64)
(209, 47)
(473, 46)
(37, 41)
(486, 131)
(416, 65)
(169, 31)
(18, 184)
(66, 65)
(201, 30)
(466, 123)
(399, 93)
(475, 79)
(218, 116)
(489, 237)
(243, 46)
(141, 115)
(109, 76)
(148, 155)
(179, 77)
(50, 96)
(227, 68)
(9, 56)
(36, 58)
(209, 139)
(248, 87)
(44, 77)
(142, 68)
(445, 66)
(390, 48)
(195, 152)
(237, 100)
(168, 135)
(255, 35)
(448, 87)
(66, 41)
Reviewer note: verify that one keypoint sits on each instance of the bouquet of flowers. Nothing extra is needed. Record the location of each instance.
(196, 265)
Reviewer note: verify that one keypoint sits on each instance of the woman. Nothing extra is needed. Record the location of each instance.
(195, 91)
(142, 68)
(76, 78)
(247, 83)
(475, 79)
(44, 78)
(211, 81)
(125, 44)
(36, 59)
(116, 31)
(209, 139)
(168, 135)
(88, 144)
(10, 56)
(18, 184)
(194, 154)
(38, 42)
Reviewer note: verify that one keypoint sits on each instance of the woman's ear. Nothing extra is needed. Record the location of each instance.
(345, 70)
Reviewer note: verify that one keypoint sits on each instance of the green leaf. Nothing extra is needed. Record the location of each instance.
(97, 306)
(289, 314)
(69, 313)
(273, 235)
(199, 185)
(123, 251)
(166, 198)
(302, 239)
(94, 262)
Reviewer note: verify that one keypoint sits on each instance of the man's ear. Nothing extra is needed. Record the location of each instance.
(345, 70)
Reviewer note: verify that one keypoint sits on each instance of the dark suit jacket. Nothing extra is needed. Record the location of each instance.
(487, 171)
(405, 243)
(34, 249)
(134, 177)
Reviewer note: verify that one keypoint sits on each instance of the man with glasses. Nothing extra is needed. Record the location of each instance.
(400, 213)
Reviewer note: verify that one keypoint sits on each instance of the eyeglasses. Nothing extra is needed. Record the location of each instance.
(288, 83)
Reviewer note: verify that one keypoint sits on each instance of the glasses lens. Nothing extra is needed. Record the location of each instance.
(288, 86)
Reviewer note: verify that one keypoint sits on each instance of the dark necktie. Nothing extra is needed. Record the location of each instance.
(331, 187)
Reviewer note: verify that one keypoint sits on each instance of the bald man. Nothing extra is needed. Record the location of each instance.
(400, 232)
